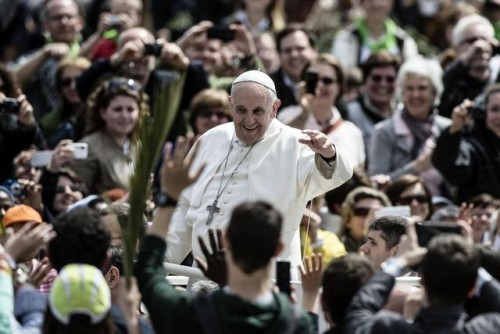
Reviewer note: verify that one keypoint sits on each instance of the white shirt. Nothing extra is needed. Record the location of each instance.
(278, 170)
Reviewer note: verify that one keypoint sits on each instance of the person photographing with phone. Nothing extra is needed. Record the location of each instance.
(321, 88)
(468, 152)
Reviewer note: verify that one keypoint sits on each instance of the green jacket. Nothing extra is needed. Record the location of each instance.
(173, 311)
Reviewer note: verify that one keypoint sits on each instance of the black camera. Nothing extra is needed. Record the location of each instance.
(223, 34)
(153, 49)
(115, 22)
(10, 105)
(477, 112)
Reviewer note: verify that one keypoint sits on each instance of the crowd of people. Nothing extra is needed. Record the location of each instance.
(355, 142)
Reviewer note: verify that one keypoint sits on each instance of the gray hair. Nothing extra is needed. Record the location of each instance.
(468, 21)
(423, 67)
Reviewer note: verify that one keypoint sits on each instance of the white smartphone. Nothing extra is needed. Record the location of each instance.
(393, 211)
(81, 150)
(41, 158)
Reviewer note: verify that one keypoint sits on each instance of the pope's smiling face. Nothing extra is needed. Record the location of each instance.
(253, 110)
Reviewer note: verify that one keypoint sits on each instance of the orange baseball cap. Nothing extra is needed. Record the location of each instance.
(20, 214)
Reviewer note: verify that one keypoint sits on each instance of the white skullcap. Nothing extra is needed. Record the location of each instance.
(258, 77)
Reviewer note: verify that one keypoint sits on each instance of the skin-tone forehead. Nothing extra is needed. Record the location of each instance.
(135, 33)
(60, 3)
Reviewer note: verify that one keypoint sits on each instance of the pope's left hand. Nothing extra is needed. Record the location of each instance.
(318, 142)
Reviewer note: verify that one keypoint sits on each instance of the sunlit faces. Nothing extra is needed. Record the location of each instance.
(67, 193)
(121, 115)
(418, 96)
(253, 111)
(295, 52)
(327, 87)
(380, 85)
(63, 21)
(362, 217)
(416, 198)
(68, 84)
(375, 248)
(493, 113)
(378, 9)
(124, 9)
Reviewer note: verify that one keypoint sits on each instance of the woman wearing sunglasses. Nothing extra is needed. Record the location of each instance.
(66, 122)
(209, 108)
(321, 88)
(403, 144)
(411, 190)
(113, 117)
(357, 214)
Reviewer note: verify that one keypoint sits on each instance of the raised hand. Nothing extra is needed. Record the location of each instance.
(318, 142)
(215, 268)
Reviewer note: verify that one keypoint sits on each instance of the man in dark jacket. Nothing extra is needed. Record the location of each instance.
(247, 304)
(468, 153)
(450, 268)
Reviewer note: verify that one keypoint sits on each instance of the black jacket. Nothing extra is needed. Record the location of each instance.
(285, 93)
(470, 160)
(364, 316)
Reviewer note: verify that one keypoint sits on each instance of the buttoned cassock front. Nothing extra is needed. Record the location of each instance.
(278, 170)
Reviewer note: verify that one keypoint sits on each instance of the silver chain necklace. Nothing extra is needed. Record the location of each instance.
(213, 209)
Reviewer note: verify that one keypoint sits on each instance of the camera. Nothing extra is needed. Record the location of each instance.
(115, 22)
(311, 82)
(477, 112)
(224, 34)
(153, 49)
(10, 105)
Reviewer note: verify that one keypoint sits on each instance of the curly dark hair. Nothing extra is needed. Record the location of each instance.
(81, 237)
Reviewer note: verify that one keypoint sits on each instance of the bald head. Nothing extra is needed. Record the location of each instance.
(136, 33)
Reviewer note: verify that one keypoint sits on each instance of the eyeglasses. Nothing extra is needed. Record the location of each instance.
(208, 113)
(407, 200)
(361, 212)
(379, 78)
(118, 85)
(74, 187)
(67, 82)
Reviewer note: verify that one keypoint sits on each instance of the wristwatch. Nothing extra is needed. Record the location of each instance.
(162, 200)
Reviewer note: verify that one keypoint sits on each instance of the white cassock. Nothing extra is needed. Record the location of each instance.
(278, 169)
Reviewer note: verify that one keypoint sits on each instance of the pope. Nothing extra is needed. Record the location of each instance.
(255, 157)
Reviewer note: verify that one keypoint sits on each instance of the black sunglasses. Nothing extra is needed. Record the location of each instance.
(207, 113)
(74, 187)
(379, 78)
(361, 212)
(407, 200)
(67, 82)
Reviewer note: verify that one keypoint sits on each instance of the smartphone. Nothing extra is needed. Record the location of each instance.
(81, 150)
(283, 277)
(393, 211)
(429, 229)
(311, 82)
(224, 34)
(41, 158)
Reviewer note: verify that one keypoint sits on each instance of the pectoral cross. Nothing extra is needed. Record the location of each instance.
(212, 209)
